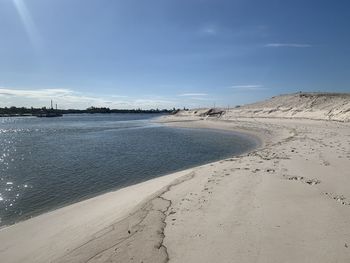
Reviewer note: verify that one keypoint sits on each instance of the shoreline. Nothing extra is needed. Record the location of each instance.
(98, 213)
(46, 220)
(254, 139)
(189, 204)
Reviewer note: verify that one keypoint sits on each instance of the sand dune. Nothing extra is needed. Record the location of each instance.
(317, 106)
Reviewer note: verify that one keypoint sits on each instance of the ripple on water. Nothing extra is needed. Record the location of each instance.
(47, 163)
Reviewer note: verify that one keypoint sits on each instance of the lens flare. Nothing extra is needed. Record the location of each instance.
(28, 23)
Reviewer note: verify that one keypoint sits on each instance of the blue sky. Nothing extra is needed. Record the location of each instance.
(193, 53)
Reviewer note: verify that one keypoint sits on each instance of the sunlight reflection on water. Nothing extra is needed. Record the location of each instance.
(47, 163)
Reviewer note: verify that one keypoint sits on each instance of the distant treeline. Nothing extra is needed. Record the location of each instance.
(22, 111)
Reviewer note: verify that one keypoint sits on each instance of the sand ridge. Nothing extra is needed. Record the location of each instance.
(301, 105)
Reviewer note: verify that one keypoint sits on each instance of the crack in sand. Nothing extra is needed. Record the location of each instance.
(121, 241)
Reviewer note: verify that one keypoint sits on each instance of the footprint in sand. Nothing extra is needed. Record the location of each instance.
(296, 178)
(339, 198)
(312, 181)
(326, 163)
(303, 179)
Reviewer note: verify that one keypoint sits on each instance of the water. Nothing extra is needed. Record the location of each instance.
(46, 163)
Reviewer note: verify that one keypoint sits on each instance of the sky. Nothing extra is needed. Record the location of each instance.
(170, 53)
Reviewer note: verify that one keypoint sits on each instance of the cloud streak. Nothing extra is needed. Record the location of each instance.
(248, 87)
(192, 94)
(288, 45)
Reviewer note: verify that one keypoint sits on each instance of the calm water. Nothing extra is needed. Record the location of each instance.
(49, 162)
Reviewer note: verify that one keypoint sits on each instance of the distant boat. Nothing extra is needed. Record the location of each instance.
(49, 115)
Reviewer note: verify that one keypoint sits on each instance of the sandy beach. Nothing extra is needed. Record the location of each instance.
(286, 201)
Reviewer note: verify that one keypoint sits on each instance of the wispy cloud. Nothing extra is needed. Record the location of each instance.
(36, 93)
(291, 45)
(67, 98)
(239, 32)
(248, 87)
(208, 30)
(192, 94)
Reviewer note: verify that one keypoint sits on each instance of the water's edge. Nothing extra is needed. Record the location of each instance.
(257, 143)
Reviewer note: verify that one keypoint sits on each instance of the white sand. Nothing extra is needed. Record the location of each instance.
(288, 201)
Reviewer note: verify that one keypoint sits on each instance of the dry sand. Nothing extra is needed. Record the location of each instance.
(288, 201)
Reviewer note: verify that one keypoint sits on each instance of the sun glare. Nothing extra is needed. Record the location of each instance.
(28, 22)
